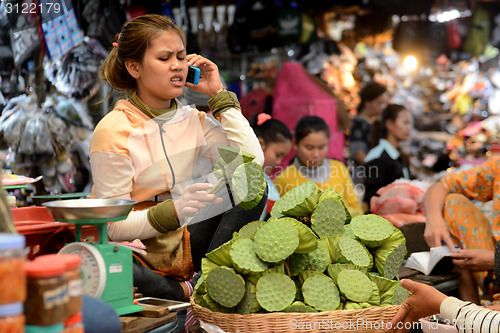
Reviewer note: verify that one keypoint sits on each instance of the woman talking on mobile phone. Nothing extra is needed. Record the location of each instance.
(152, 149)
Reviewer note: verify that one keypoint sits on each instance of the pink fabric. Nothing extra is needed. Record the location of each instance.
(296, 95)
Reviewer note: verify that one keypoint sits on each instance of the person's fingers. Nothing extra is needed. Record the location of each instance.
(458, 263)
(193, 188)
(402, 312)
(409, 285)
(448, 241)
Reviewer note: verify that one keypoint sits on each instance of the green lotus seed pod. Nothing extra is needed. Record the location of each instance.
(225, 286)
(298, 306)
(390, 255)
(306, 274)
(308, 242)
(299, 201)
(348, 231)
(249, 302)
(221, 255)
(352, 306)
(298, 262)
(348, 250)
(275, 292)
(375, 297)
(229, 154)
(201, 285)
(333, 270)
(244, 258)
(330, 214)
(320, 259)
(391, 292)
(249, 229)
(214, 306)
(249, 185)
(276, 240)
(321, 293)
(354, 285)
(372, 230)
(208, 265)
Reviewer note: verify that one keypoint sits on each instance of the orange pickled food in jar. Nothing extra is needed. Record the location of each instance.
(11, 318)
(12, 274)
(73, 277)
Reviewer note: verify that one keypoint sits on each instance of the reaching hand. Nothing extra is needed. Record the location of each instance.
(194, 198)
(474, 260)
(436, 232)
(423, 301)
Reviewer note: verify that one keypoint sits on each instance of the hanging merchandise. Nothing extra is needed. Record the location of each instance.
(290, 24)
(24, 38)
(41, 140)
(60, 30)
(478, 34)
(76, 73)
(254, 26)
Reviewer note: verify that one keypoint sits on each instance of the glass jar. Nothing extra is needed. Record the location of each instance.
(57, 328)
(47, 299)
(74, 324)
(12, 275)
(73, 277)
(11, 318)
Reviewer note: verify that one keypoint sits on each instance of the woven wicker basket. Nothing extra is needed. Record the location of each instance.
(368, 320)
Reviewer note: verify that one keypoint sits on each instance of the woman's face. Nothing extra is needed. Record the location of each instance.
(375, 107)
(274, 153)
(161, 75)
(400, 128)
(312, 149)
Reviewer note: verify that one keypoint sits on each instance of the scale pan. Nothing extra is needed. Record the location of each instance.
(89, 209)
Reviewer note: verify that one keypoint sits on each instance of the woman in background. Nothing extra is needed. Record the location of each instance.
(385, 163)
(373, 101)
(311, 144)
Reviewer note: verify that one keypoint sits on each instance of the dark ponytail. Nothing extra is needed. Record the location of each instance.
(270, 130)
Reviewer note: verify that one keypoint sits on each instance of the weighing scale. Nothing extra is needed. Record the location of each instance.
(107, 271)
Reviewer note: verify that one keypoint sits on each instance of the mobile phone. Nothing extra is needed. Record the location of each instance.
(193, 75)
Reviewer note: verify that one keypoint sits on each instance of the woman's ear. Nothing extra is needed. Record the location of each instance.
(132, 68)
(262, 144)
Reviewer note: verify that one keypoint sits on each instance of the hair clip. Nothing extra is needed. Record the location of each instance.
(262, 118)
(115, 44)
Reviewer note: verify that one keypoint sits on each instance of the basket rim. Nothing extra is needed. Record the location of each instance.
(373, 309)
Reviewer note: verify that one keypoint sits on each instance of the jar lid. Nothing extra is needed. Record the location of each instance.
(74, 320)
(11, 241)
(43, 269)
(11, 309)
(57, 328)
(71, 261)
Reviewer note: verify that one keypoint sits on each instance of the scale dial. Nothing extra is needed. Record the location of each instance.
(93, 267)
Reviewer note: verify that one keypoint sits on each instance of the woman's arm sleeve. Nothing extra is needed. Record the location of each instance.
(239, 133)
(112, 176)
(468, 317)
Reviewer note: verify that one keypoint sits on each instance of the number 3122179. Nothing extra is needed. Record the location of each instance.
(33, 8)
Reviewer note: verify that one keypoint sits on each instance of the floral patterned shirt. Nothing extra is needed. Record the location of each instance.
(480, 183)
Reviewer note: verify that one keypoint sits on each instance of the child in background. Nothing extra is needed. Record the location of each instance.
(276, 142)
(311, 144)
